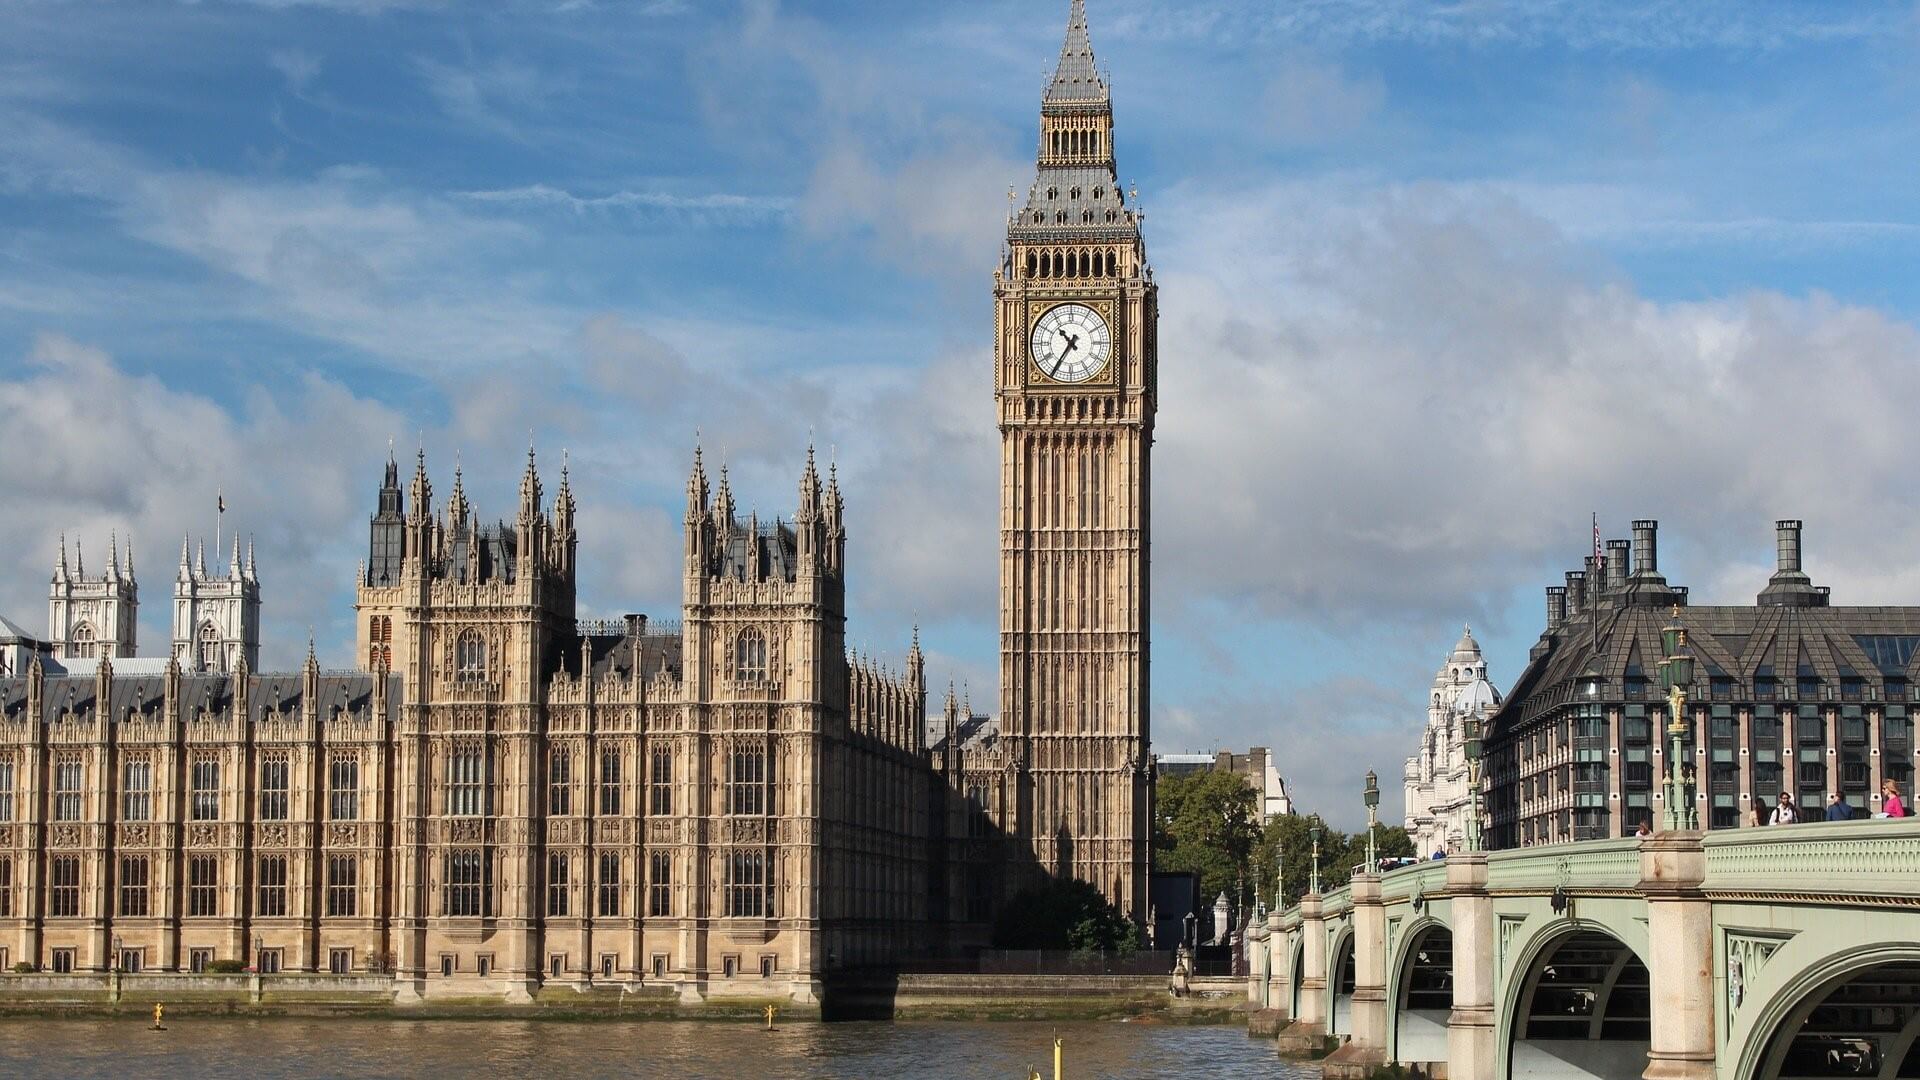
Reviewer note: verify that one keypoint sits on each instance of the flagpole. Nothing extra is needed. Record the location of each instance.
(219, 515)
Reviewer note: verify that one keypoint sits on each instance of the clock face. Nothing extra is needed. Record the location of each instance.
(1071, 343)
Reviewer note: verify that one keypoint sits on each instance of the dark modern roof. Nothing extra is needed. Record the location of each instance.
(1832, 645)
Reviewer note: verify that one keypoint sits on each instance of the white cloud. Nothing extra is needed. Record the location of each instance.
(714, 208)
(297, 66)
(96, 449)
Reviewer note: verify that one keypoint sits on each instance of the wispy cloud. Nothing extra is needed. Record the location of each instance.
(713, 208)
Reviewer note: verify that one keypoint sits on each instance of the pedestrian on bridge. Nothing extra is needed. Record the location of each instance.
(1786, 813)
(1890, 804)
(1838, 809)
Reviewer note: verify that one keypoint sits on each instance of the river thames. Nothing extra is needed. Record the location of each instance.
(217, 1048)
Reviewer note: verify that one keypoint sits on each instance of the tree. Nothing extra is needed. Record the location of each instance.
(1389, 842)
(1064, 915)
(1285, 843)
(1208, 823)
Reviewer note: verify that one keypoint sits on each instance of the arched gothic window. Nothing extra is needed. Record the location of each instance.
(470, 657)
(209, 645)
(750, 656)
(83, 642)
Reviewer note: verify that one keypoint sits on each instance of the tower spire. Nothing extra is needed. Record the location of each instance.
(1076, 79)
(696, 487)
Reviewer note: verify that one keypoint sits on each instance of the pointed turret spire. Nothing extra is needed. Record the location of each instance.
(128, 571)
(235, 566)
(79, 560)
(530, 488)
(457, 508)
(200, 558)
(723, 500)
(113, 555)
(422, 493)
(809, 489)
(186, 558)
(60, 564)
(696, 487)
(251, 575)
(563, 501)
(1076, 79)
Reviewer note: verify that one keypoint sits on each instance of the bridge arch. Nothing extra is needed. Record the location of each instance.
(1854, 1012)
(1577, 1003)
(1340, 983)
(1421, 992)
(1297, 966)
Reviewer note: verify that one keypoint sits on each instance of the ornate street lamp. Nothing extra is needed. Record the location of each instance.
(1313, 837)
(1471, 729)
(1372, 798)
(1676, 673)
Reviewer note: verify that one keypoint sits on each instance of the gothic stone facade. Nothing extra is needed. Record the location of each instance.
(504, 797)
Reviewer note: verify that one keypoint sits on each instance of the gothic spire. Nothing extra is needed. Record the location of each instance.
(79, 560)
(60, 565)
(250, 575)
(422, 493)
(530, 489)
(113, 555)
(235, 566)
(128, 571)
(809, 489)
(696, 487)
(200, 557)
(186, 557)
(457, 507)
(563, 502)
(723, 500)
(1076, 80)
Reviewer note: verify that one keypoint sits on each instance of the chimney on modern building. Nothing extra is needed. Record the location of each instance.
(1646, 549)
(1556, 607)
(1617, 556)
(1789, 586)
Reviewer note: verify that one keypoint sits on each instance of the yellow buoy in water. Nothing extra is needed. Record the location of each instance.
(159, 1011)
(769, 1018)
(1056, 1057)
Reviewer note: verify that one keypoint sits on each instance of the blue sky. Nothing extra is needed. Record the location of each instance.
(1438, 280)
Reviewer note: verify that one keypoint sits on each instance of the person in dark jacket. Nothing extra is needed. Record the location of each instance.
(1837, 808)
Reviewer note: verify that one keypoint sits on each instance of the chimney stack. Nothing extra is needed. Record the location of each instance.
(1789, 586)
(1617, 556)
(1646, 549)
(1556, 607)
(1786, 542)
(1576, 592)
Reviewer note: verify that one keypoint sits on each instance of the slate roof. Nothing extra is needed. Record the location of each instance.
(1077, 78)
(267, 693)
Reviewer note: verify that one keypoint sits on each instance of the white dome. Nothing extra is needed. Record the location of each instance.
(1477, 696)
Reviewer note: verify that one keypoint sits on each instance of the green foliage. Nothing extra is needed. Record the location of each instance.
(1064, 915)
(24, 967)
(226, 967)
(1207, 823)
(1285, 840)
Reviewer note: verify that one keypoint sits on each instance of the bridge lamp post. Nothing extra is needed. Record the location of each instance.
(1372, 799)
(1676, 671)
(1313, 837)
(1470, 728)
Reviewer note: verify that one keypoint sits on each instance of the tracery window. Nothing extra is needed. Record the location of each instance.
(559, 782)
(203, 885)
(209, 646)
(470, 657)
(273, 787)
(272, 877)
(136, 791)
(343, 885)
(343, 788)
(6, 791)
(609, 782)
(206, 790)
(559, 875)
(747, 885)
(659, 883)
(609, 884)
(660, 782)
(468, 883)
(66, 789)
(466, 781)
(133, 886)
(750, 656)
(83, 641)
(63, 899)
(746, 781)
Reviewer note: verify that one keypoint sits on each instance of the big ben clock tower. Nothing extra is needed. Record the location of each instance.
(1074, 379)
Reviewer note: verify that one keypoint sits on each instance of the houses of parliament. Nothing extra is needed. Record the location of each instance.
(498, 796)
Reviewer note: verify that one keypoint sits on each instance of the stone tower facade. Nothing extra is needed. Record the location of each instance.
(89, 617)
(1438, 797)
(216, 618)
(1074, 381)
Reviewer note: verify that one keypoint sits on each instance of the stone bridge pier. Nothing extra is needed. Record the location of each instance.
(1752, 954)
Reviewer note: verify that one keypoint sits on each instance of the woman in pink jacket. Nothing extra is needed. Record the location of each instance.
(1890, 803)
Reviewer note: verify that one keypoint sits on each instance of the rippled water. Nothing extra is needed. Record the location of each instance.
(268, 1049)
